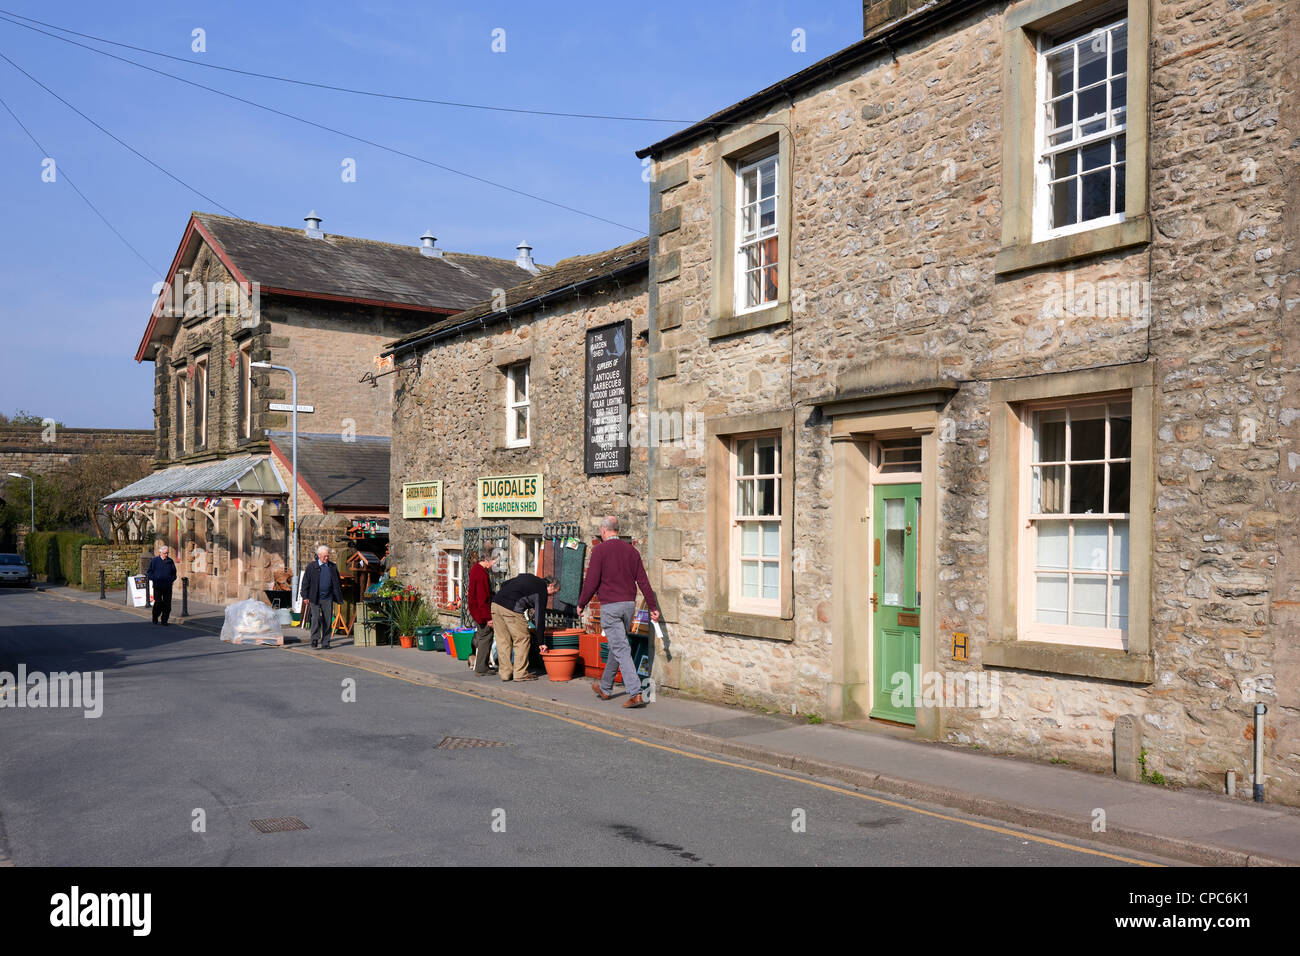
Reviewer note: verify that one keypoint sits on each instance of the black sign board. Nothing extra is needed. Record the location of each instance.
(608, 399)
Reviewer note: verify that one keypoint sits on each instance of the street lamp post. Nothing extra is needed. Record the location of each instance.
(293, 520)
(32, 483)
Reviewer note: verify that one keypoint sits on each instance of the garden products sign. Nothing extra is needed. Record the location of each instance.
(609, 399)
(507, 495)
(422, 499)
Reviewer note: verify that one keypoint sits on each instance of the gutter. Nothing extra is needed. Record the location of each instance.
(925, 19)
(528, 305)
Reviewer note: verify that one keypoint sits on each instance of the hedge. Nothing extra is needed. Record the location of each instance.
(56, 555)
(37, 547)
(70, 553)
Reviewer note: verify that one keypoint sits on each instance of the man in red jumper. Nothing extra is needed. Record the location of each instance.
(614, 574)
(480, 609)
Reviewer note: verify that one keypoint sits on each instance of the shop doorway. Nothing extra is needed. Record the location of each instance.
(895, 600)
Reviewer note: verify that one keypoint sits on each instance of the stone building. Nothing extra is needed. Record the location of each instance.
(324, 305)
(498, 392)
(991, 320)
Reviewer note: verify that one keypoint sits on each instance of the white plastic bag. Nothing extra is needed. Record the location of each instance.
(251, 622)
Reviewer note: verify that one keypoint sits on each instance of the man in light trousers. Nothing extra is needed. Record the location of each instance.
(615, 572)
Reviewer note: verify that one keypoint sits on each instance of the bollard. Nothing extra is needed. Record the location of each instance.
(101, 584)
(185, 597)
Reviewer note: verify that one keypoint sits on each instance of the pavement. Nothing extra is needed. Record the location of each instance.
(1194, 826)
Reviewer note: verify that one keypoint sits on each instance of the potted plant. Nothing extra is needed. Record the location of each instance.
(406, 617)
(426, 631)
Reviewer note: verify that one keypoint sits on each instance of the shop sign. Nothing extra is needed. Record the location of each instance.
(422, 499)
(506, 496)
(608, 399)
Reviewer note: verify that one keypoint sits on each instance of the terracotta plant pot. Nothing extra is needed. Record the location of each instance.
(407, 640)
(560, 664)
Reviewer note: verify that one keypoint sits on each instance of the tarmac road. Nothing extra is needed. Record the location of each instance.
(194, 731)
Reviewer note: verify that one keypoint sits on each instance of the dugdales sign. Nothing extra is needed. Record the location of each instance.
(507, 496)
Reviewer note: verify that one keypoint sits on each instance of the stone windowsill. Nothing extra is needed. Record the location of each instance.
(1099, 662)
(1030, 255)
(750, 625)
(778, 314)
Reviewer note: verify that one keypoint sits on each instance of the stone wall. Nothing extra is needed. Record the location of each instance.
(116, 561)
(896, 212)
(29, 449)
(449, 424)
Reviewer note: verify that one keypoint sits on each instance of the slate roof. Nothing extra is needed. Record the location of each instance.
(555, 284)
(239, 475)
(343, 474)
(285, 259)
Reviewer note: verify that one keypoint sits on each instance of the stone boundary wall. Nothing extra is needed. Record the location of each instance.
(116, 560)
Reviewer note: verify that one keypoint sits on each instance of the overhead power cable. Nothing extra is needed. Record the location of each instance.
(59, 171)
(330, 129)
(345, 89)
(118, 140)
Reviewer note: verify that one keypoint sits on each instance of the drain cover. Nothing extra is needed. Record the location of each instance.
(278, 824)
(460, 743)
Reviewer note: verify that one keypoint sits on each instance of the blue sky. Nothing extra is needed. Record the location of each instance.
(74, 300)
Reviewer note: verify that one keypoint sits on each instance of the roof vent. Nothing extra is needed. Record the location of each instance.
(313, 226)
(426, 245)
(525, 258)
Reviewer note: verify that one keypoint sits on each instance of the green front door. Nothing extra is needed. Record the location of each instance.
(895, 601)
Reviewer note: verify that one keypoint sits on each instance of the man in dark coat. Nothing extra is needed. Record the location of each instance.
(162, 575)
(321, 590)
(516, 648)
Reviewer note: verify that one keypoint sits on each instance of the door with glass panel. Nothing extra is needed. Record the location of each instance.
(895, 601)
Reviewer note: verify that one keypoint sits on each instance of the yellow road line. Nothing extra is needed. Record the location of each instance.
(1046, 841)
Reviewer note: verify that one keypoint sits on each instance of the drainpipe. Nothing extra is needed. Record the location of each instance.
(652, 392)
(1260, 711)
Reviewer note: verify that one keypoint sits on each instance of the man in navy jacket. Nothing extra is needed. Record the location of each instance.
(321, 590)
(162, 575)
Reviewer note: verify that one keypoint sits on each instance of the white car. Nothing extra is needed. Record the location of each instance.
(14, 570)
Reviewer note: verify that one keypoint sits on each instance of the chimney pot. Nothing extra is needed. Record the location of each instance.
(524, 259)
(313, 230)
(427, 247)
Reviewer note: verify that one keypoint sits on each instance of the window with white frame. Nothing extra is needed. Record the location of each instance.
(246, 390)
(1076, 571)
(757, 239)
(201, 402)
(756, 524)
(451, 584)
(1082, 119)
(530, 552)
(517, 406)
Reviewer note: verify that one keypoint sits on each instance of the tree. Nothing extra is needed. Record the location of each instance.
(24, 417)
(83, 484)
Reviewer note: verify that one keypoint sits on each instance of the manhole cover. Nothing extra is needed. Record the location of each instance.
(461, 743)
(278, 824)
